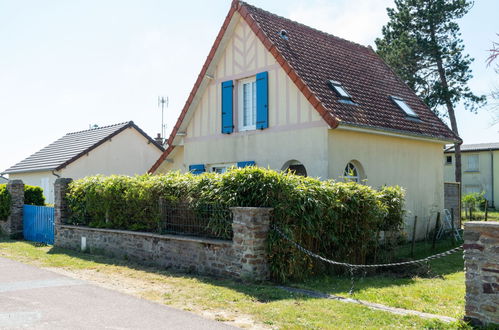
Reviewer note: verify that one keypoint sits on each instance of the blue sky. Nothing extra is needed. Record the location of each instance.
(65, 65)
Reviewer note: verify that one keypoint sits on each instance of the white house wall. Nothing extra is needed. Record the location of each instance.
(414, 165)
(127, 153)
(296, 131)
(43, 179)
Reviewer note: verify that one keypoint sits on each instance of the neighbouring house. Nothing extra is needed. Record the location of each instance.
(479, 168)
(279, 94)
(3, 179)
(116, 149)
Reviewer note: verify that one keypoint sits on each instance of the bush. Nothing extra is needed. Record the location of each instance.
(4, 202)
(474, 201)
(335, 219)
(33, 195)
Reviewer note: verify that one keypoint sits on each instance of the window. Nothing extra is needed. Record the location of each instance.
(472, 162)
(351, 173)
(339, 89)
(247, 104)
(404, 107)
(448, 160)
(220, 168)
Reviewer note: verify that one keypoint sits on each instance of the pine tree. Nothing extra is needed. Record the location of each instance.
(422, 43)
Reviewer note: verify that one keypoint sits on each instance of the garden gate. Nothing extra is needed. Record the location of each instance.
(38, 224)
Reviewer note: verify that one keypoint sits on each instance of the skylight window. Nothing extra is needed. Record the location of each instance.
(338, 88)
(404, 107)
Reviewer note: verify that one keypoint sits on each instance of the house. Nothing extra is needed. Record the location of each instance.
(279, 94)
(3, 180)
(479, 168)
(117, 149)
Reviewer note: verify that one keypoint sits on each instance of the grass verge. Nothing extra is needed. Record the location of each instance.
(237, 303)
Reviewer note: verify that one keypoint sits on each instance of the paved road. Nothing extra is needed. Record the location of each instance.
(34, 298)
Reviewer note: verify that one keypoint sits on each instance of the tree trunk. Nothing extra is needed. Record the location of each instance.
(449, 105)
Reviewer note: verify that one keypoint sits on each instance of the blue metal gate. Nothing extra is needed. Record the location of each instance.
(38, 224)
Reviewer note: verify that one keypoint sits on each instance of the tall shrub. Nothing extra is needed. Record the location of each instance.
(336, 219)
(4, 202)
(33, 195)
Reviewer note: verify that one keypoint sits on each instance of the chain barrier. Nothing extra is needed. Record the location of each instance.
(353, 267)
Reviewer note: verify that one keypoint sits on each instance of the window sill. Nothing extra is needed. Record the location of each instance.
(472, 171)
(245, 129)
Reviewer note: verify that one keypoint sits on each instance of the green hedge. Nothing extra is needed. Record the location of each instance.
(336, 219)
(33, 195)
(4, 202)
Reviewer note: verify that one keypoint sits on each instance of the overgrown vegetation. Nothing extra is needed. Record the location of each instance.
(336, 219)
(474, 201)
(33, 195)
(4, 202)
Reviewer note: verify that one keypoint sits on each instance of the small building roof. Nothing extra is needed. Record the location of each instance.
(474, 147)
(72, 146)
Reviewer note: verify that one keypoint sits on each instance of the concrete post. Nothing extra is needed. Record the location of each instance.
(60, 205)
(251, 227)
(481, 262)
(14, 224)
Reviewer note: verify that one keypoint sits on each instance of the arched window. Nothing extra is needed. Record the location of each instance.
(352, 172)
(296, 167)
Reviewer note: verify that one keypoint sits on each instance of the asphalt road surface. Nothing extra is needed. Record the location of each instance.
(33, 298)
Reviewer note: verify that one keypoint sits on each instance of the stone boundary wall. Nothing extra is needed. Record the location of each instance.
(481, 262)
(452, 200)
(243, 257)
(13, 225)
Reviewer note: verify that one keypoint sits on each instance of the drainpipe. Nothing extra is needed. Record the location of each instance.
(56, 175)
(492, 175)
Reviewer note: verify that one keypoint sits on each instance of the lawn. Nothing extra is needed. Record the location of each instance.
(480, 215)
(264, 305)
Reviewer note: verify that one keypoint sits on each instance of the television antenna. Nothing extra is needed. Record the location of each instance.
(161, 103)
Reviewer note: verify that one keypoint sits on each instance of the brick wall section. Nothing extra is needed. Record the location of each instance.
(251, 227)
(13, 226)
(452, 200)
(481, 261)
(243, 257)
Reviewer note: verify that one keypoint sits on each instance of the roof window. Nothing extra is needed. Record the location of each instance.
(404, 106)
(340, 90)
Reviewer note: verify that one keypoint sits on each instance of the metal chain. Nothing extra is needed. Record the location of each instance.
(353, 267)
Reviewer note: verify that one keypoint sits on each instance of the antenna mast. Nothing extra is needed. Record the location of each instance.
(161, 102)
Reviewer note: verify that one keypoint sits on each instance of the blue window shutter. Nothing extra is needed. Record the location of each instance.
(244, 164)
(197, 169)
(262, 100)
(227, 107)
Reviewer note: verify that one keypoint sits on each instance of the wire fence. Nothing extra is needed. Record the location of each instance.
(203, 220)
(352, 268)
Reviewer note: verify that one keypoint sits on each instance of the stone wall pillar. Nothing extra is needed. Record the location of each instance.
(251, 227)
(61, 211)
(481, 262)
(14, 224)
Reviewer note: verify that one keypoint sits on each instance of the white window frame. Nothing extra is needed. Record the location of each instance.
(240, 119)
(476, 168)
(222, 166)
(406, 108)
(352, 178)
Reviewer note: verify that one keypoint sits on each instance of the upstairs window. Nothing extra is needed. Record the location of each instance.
(473, 164)
(340, 90)
(448, 160)
(404, 106)
(247, 104)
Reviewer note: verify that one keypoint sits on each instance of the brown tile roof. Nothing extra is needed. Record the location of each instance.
(311, 58)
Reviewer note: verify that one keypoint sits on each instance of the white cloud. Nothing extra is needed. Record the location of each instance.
(359, 21)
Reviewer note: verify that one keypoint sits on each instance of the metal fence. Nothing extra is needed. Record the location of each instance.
(204, 220)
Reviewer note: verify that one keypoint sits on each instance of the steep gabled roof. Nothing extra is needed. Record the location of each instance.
(72, 146)
(474, 147)
(311, 59)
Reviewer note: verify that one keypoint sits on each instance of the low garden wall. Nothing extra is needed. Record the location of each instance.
(481, 261)
(245, 256)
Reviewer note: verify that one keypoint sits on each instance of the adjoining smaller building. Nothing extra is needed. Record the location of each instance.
(480, 169)
(116, 149)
